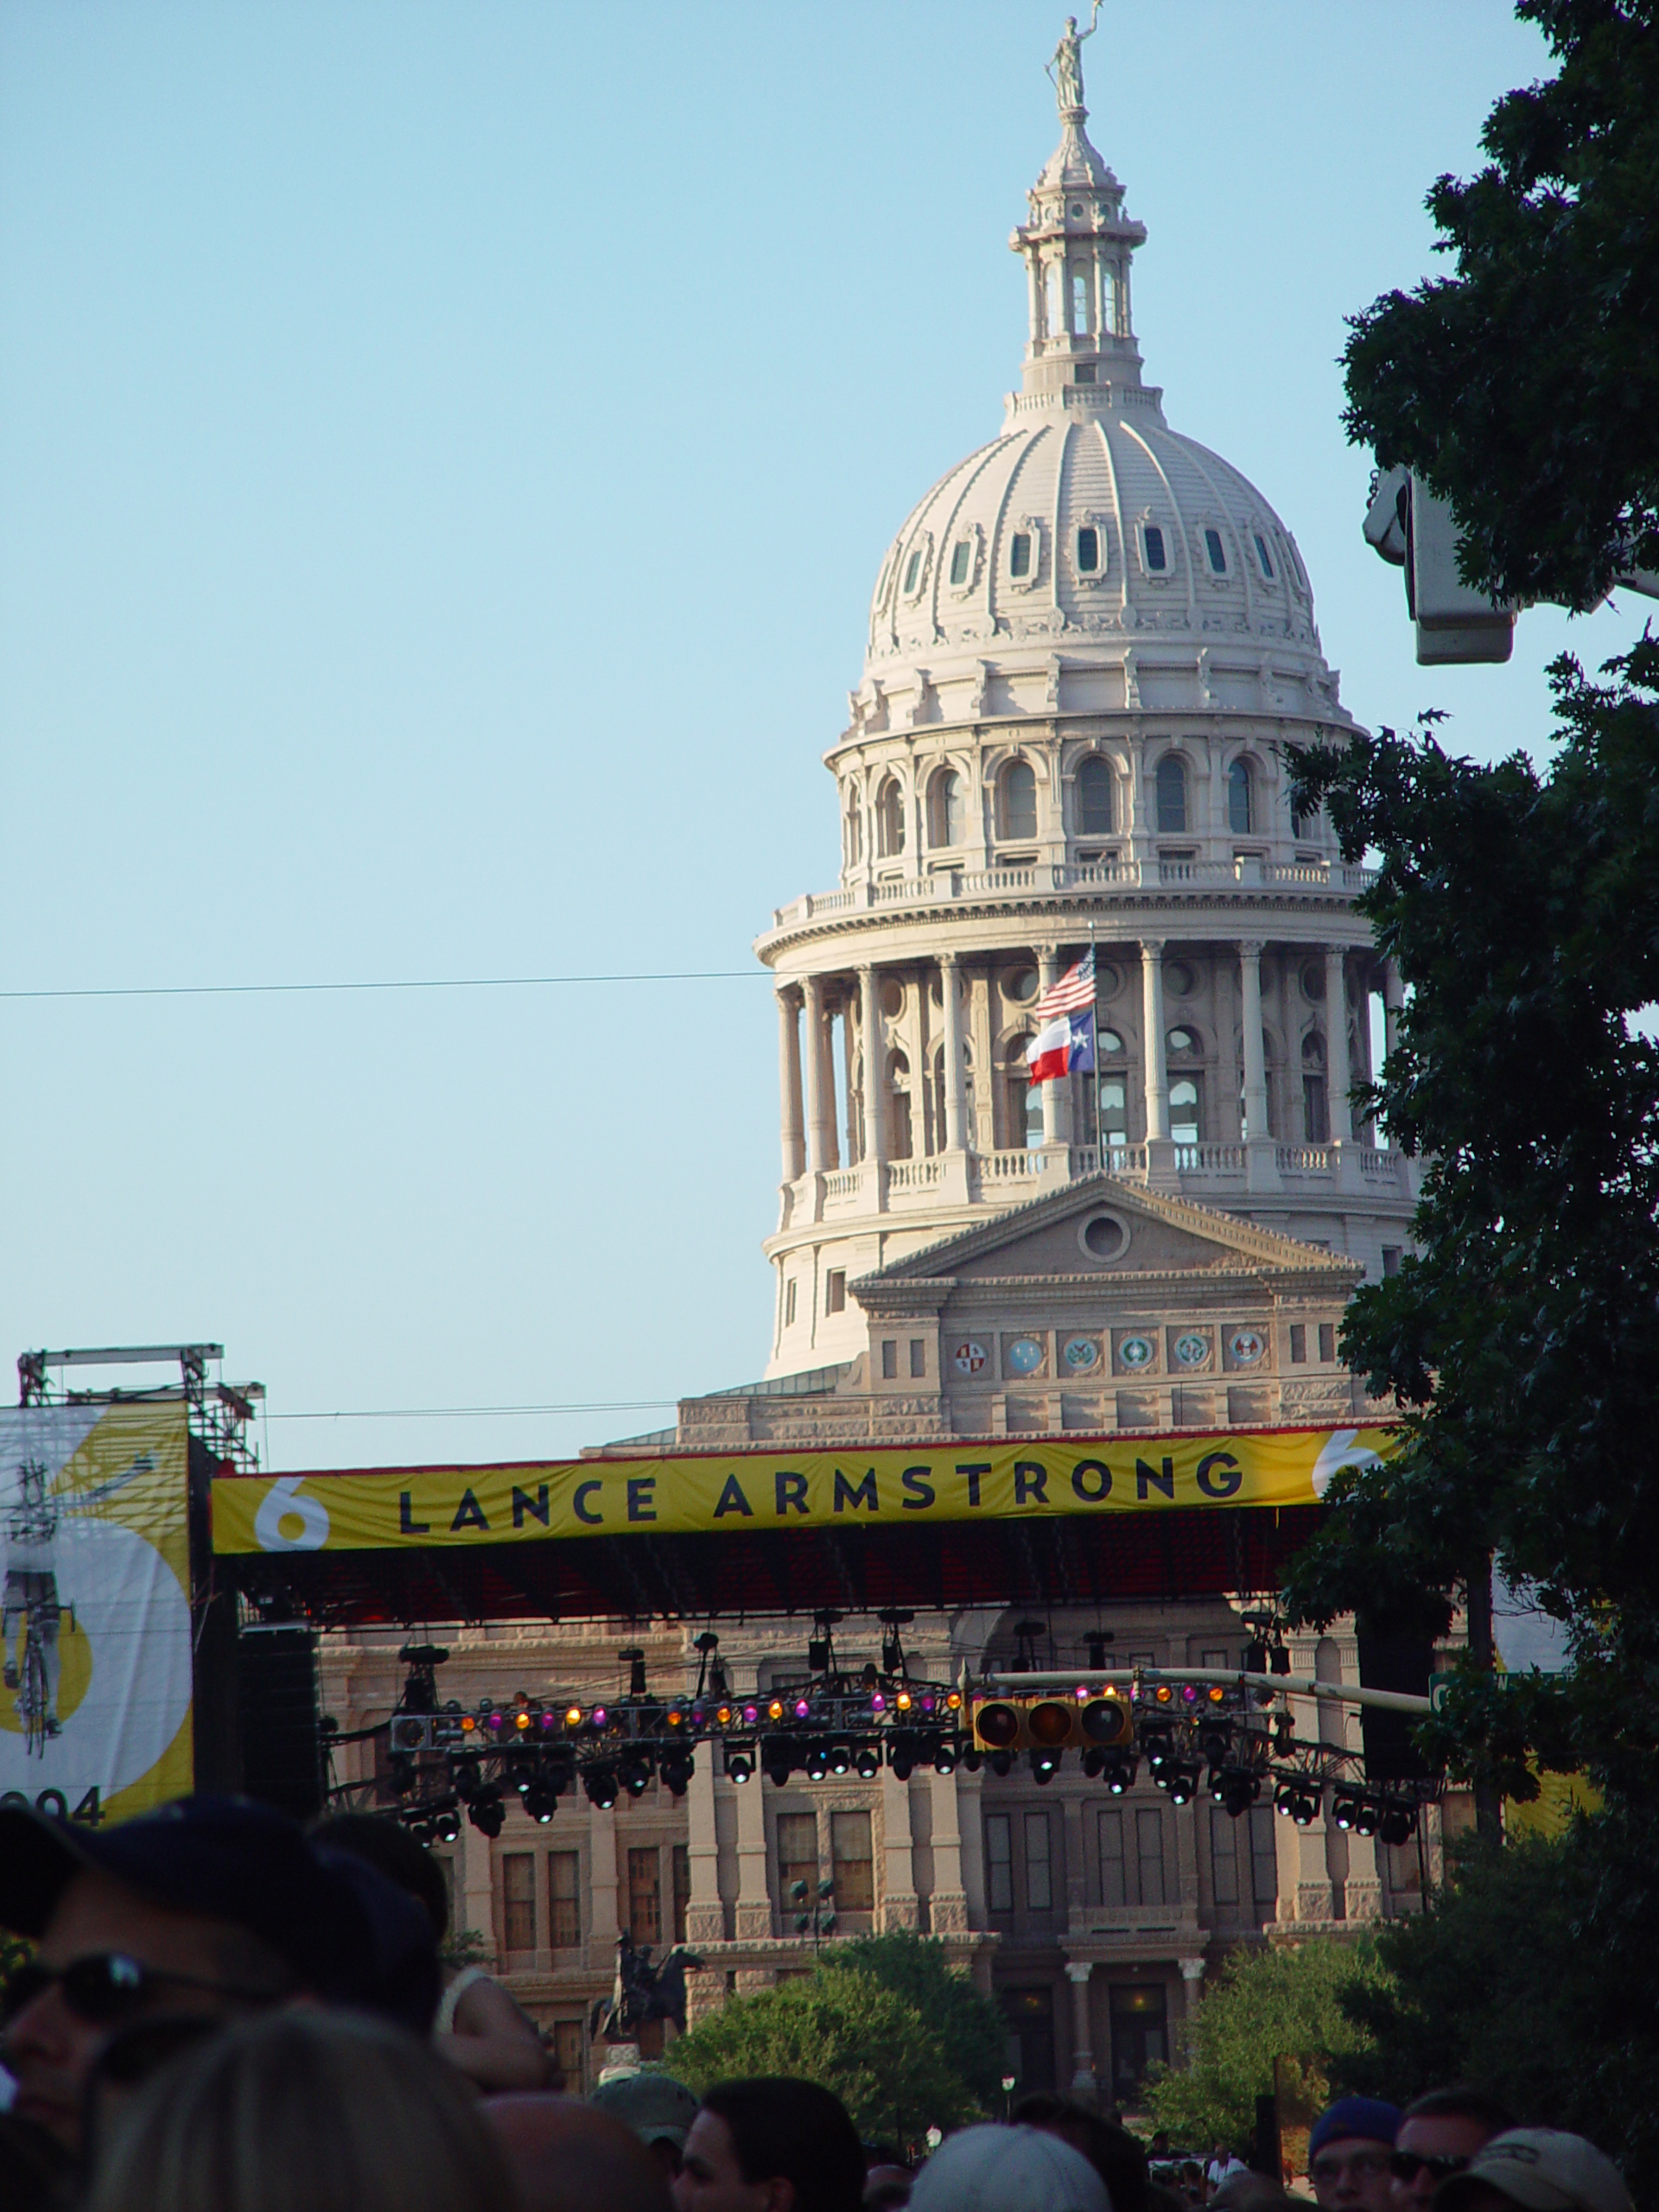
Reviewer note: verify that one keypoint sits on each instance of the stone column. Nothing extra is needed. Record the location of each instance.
(1057, 1093)
(606, 1925)
(1077, 1972)
(1256, 1058)
(956, 1098)
(475, 1904)
(788, 1080)
(820, 1101)
(1152, 1024)
(754, 1899)
(1394, 999)
(1192, 1985)
(875, 1100)
(1338, 1075)
(949, 1911)
(705, 1918)
(898, 1906)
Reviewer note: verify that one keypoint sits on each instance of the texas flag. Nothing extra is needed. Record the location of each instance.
(1064, 1047)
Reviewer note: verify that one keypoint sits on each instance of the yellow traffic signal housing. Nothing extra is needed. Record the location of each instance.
(1053, 1724)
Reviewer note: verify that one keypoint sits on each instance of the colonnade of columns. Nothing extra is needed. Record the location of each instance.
(810, 1143)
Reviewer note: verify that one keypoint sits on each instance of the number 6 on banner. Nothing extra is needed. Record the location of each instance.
(274, 1524)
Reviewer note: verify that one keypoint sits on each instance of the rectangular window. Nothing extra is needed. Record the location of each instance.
(1390, 1259)
(1224, 1855)
(917, 1357)
(789, 1304)
(834, 1291)
(564, 1899)
(1039, 1881)
(1114, 1878)
(852, 1862)
(1261, 556)
(798, 1857)
(682, 1888)
(889, 1359)
(518, 1900)
(1020, 554)
(569, 2045)
(1156, 559)
(1114, 1110)
(1216, 550)
(999, 1862)
(646, 1896)
(1313, 1113)
(1264, 1859)
(1328, 1341)
(1298, 1343)
(1088, 552)
(961, 554)
(1149, 1853)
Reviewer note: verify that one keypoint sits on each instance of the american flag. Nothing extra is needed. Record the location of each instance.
(1073, 993)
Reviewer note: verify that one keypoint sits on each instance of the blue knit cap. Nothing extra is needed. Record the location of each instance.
(1368, 2118)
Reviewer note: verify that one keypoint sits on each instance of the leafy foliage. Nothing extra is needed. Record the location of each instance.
(1281, 2003)
(1525, 389)
(841, 2028)
(1523, 1977)
(1523, 910)
(918, 1969)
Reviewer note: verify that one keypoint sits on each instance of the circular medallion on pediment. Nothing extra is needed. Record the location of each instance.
(969, 1357)
(1080, 1354)
(1247, 1346)
(1191, 1350)
(1024, 1354)
(1136, 1352)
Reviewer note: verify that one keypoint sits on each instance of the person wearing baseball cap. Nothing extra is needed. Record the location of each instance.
(209, 1907)
(1539, 2169)
(658, 2109)
(1348, 2153)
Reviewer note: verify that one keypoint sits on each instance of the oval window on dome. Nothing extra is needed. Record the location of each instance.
(962, 555)
(1157, 558)
(1262, 554)
(1088, 551)
(1021, 986)
(1019, 553)
(1217, 551)
(913, 571)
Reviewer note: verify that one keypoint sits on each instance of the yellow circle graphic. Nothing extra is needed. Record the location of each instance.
(74, 1670)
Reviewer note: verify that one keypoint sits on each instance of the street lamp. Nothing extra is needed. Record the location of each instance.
(820, 1920)
(1008, 2081)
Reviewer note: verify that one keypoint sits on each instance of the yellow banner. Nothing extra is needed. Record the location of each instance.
(95, 1708)
(400, 1509)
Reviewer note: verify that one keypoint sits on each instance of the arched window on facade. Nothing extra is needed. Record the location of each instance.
(1017, 800)
(947, 813)
(1021, 1100)
(1183, 1109)
(1093, 797)
(890, 819)
(1171, 794)
(898, 1121)
(855, 829)
(1239, 809)
(1316, 1111)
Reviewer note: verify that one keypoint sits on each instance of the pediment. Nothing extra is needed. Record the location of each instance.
(1102, 1227)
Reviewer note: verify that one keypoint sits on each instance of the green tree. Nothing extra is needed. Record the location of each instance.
(884, 2061)
(918, 1968)
(1525, 387)
(1505, 1983)
(1283, 2002)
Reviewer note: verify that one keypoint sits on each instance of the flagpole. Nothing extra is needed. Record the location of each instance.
(1100, 1144)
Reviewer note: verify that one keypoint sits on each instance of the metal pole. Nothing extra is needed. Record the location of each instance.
(1271, 1685)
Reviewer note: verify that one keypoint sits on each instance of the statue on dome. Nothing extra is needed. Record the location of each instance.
(1066, 66)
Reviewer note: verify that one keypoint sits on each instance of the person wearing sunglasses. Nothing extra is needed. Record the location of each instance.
(1439, 2135)
(207, 1909)
(1348, 2152)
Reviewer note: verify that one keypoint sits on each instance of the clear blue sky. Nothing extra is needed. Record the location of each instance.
(445, 452)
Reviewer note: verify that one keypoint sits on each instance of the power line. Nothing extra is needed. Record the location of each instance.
(469, 1412)
(390, 983)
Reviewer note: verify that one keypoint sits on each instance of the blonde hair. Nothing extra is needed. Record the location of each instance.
(304, 2111)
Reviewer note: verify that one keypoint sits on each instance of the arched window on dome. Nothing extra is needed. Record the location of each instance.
(1108, 302)
(1094, 797)
(1316, 1108)
(947, 811)
(855, 829)
(1264, 559)
(1172, 795)
(1240, 809)
(890, 820)
(898, 1117)
(1054, 318)
(1185, 1117)
(1079, 303)
(1016, 800)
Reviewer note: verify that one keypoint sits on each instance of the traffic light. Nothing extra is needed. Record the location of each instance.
(1048, 1728)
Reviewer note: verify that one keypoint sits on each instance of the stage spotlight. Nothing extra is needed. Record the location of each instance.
(841, 1759)
(1120, 1776)
(541, 1801)
(1044, 1764)
(972, 1758)
(1344, 1808)
(1216, 1785)
(739, 1766)
(1305, 1810)
(944, 1759)
(1184, 1776)
(1284, 1799)
(676, 1768)
(868, 1762)
(1397, 1823)
(634, 1773)
(901, 1757)
(777, 1762)
(1215, 1741)
(600, 1783)
(1239, 1789)
(465, 1777)
(448, 1825)
(1002, 1761)
(1367, 1817)
(487, 1813)
(1159, 1748)
(1094, 1761)
(817, 1764)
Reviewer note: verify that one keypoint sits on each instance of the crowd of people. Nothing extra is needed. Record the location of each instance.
(223, 2013)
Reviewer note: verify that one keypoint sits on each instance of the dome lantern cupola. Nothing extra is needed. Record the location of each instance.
(1077, 245)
